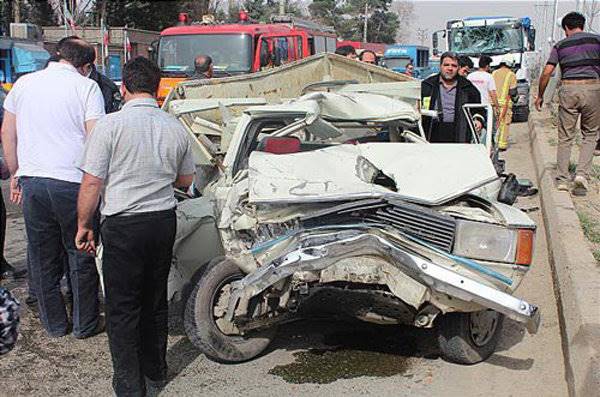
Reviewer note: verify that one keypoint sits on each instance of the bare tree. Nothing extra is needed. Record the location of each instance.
(422, 35)
(405, 10)
(591, 10)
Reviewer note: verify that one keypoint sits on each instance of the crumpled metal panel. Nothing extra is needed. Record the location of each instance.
(428, 174)
(314, 251)
(286, 81)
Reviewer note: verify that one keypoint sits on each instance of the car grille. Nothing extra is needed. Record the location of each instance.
(426, 225)
(416, 221)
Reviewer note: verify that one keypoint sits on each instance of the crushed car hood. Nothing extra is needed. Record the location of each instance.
(422, 173)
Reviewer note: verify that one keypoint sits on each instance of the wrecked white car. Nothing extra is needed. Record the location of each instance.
(336, 198)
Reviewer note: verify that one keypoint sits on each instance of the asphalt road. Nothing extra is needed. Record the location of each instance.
(314, 357)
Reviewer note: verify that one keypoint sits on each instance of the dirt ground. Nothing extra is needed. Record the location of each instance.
(310, 358)
(588, 207)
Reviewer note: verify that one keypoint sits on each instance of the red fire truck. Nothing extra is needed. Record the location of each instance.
(237, 48)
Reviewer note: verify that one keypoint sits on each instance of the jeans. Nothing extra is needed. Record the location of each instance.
(136, 262)
(50, 212)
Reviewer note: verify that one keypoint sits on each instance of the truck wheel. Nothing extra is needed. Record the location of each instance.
(469, 338)
(205, 323)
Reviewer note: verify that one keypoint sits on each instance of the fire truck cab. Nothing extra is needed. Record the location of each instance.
(238, 48)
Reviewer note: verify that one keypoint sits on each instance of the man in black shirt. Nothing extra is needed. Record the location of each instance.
(110, 91)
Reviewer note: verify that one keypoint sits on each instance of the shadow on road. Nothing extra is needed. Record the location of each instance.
(179, 356)
(326, 350)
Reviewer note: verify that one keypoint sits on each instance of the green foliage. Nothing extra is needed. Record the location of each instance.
(382, 27)
(327, 12)
(141, 14)
(38, 12)
(595, 172)
(590, 227)
(263, 10)
(260, 10)
(572, 167)
(347, 17)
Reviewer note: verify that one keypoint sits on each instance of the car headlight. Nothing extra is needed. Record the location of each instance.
(478, 240)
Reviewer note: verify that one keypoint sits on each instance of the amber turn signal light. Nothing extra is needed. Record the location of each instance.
(525, 246)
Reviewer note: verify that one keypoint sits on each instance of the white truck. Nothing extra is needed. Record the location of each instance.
(496, 36)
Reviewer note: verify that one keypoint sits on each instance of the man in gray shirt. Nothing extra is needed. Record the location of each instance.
(578, 56)
(134, 158)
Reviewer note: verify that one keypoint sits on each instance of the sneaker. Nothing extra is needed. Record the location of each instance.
(562, 185)
(8, 270)
(157, 385)
(580, 186)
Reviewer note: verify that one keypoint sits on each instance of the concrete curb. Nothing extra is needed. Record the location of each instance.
(576, 274)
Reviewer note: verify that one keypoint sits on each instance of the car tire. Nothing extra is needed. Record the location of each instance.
(200, 323)
(469, 338)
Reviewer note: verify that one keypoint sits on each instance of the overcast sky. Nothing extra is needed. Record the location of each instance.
(432, 14)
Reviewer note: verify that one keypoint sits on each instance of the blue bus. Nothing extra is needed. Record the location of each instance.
(18, 57)
(398, 56)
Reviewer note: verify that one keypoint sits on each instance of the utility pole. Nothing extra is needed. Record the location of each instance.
(366, 23)
(422, 35)
(17, 11)
(554, 16)
(281, 7)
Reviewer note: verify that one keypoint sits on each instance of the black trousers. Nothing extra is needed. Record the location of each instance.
(136, 262)
(443, 133)
(2, 230)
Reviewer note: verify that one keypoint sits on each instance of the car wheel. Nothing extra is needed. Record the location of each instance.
(204, 317)
(469, 338)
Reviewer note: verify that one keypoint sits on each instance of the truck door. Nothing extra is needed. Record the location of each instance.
(279, 49)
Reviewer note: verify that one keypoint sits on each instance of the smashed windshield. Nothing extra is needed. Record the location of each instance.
(230, 53)
(493, 40)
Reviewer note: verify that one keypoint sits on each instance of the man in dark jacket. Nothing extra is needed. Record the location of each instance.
(110, 91)
(446, 93)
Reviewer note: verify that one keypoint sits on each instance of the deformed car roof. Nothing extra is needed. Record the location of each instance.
(348, 106)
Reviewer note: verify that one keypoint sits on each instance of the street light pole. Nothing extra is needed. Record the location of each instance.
(365, 27)
(554, 15)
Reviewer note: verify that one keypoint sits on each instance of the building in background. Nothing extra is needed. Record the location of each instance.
(114, 45)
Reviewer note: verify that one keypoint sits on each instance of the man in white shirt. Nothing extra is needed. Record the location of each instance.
(485, 83)
(48, 115)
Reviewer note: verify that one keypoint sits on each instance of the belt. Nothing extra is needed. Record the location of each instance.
(582, 81)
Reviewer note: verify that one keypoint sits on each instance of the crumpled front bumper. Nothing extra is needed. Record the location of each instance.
(313, 251)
